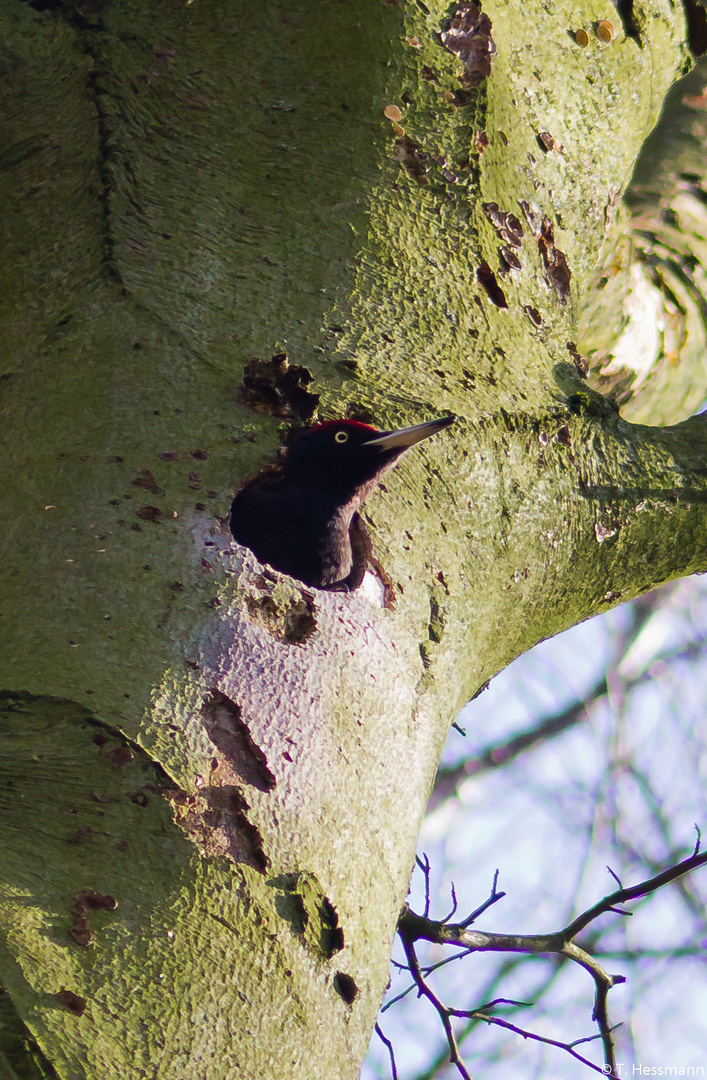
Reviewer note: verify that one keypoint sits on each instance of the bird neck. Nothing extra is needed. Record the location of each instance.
(334, 496)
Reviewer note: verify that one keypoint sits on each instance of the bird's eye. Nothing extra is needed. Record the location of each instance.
(341, 436)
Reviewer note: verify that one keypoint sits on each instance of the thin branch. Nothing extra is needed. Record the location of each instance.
(493, 898)
(616, 877)
(644, 888)
(454, 904)
(388, 1044)
(424, 864)
(448, 780)
(569, 1047)
(506, 968)
(444, 1013)
(413, 927)
(426, 970)
(504, 1001)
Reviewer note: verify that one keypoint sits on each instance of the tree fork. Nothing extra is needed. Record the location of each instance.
(212, 777)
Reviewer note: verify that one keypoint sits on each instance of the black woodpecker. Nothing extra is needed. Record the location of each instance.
(303, 519)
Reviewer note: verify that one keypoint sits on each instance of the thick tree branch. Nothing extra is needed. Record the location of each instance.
(182, 194)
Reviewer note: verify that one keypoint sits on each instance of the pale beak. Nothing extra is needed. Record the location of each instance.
(404, 437)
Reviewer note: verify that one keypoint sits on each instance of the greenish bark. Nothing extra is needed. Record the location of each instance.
(650, 358)
(211, 781)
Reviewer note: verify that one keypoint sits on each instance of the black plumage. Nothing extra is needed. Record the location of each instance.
(303, 519)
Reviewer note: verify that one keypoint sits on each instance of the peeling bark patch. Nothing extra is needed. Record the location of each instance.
(603, 532)
(119, 756)
(435, 629)
(309, 912)
(73, 1002)
(412, 158)
(150, 513)
(345, 987)
(216, 820)
(235, 804)
(90, 900)
(300, 622)
(84, 901)
(332, 936)
(487, 279)
(279, 388)
(532, 216)
(441, 579)
(468, 36)
(506, 224)
(481, 141)
(508, 259)
(146, 480)
(291, 907)
(557, 272)
(548, 142)
(579, 361)
(390, 601)
(533, 314)
(563, 435)
(292, 622)
(229, 733)
(80, 932)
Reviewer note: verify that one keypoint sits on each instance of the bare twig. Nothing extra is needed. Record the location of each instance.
(493, 898)
(493, 757)
(569, 1047)
(445, 1014)
(635, 892)
(427, 970)
(391, 1053)
(616, 877)
(413, 927)
(424, 864)
(454, 903)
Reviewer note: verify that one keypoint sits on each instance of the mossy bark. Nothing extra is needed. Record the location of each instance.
(211, 778)
(651, 357)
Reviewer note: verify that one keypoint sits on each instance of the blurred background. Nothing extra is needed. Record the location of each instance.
(589, 751)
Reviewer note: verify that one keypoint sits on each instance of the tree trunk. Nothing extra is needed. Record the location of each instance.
(212, 777)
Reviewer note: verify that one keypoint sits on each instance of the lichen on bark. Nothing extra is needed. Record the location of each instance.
(188, 190)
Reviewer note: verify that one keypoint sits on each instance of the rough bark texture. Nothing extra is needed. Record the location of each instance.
(241, 763)
(650, 358)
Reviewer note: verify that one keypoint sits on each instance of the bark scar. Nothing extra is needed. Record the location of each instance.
(229, 732)
(312, 916)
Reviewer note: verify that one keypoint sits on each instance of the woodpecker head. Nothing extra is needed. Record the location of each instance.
(348, 455)
(304, 519)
